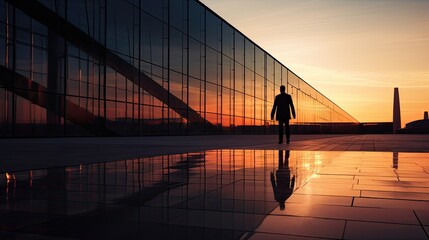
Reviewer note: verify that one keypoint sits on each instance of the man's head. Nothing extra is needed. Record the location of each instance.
(282, 88)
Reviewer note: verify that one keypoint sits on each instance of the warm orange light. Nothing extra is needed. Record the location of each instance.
(355, 59)
(10, 176)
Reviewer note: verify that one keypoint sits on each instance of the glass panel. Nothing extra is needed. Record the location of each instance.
(259, 87)
(270, 94)
(177, 49)
(211, 98)
(270, 68)
(213, 118)
(239, 125)
(227, 40)
(178, 86)
(196, 93)
(213, 33)
(239, 47)
(151, 40)
(226, 101)
(239, 104)
(196, 21)
(259, 107)
(212, 66)
(86, 15)
(120, 28)
(226, 107)
(293, 79)
(285, 76)
(250, 55)
(259, 61)
(250, 82)
(227, 72)
(155, 8)
(178, 14)
(239, 77)
(195, 59)
(249, 106)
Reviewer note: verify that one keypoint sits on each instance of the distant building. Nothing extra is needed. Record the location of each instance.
(418, 126)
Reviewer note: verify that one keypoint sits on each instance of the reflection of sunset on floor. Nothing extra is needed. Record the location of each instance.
(355, 58)
(372, 186)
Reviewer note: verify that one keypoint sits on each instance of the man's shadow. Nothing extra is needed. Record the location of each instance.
(282, 182)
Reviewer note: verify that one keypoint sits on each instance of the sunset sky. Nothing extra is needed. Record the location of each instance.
(353, 51)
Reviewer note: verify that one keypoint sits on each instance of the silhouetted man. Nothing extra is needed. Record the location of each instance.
(283, 104)
(282, 184)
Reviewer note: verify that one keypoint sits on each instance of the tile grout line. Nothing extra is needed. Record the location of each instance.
(421, 224)
(344, 230)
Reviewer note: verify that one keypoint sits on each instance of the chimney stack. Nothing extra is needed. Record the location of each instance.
(396, 111)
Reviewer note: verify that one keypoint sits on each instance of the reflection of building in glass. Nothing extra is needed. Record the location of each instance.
(178, 192)
(139, 68)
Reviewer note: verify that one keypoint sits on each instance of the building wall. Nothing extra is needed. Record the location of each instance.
(149, 67)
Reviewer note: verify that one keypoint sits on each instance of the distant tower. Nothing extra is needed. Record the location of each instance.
(396, 111)
(425, 116)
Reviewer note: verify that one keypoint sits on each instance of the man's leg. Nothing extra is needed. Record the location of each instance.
(280, 159)
(280, 131)
(287, 131)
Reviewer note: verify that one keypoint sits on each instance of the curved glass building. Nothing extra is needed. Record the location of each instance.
(140, 67)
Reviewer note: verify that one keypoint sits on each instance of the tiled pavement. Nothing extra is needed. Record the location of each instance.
(53, 152)
(214, 187)
(358, 195)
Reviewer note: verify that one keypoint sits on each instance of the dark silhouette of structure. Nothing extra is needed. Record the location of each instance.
(282, 182)
(396, 111)
(395, 160)
(283, 104)
(418, 126)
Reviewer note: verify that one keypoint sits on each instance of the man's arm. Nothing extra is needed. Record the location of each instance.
(273, 111)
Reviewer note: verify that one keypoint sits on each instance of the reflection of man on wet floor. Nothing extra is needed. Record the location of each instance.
(282, 183)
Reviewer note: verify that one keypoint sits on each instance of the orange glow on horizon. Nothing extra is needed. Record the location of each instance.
(355, 59)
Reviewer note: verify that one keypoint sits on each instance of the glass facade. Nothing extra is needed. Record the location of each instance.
(140, 67)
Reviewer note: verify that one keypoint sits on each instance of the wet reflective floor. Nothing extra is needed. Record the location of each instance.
(223, 194)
